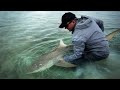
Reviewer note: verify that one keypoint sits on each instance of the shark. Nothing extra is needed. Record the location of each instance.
(54, 57)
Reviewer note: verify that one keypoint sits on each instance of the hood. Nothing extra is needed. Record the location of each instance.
(83, 22)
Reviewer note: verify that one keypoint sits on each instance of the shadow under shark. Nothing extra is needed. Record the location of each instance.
(54, 57)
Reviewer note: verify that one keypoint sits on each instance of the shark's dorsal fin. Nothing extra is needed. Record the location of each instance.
(62, 44)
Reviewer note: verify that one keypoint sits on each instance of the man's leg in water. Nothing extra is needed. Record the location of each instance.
(87, 57)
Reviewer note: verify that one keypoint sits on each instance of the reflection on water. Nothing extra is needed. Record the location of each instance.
(26, 35)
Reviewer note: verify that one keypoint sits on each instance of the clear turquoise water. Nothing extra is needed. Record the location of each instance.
(26, 35)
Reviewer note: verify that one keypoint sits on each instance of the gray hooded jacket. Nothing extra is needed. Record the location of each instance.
(88, 36)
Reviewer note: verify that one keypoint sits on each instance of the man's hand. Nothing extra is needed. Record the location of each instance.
(63, 63)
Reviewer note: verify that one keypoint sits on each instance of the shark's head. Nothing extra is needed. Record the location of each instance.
(49, 59)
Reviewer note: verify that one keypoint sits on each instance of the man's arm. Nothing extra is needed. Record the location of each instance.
(78, 47)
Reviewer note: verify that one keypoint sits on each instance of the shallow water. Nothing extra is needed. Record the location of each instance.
(26, 35)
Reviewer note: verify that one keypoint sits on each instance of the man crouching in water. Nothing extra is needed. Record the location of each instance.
(88, 39)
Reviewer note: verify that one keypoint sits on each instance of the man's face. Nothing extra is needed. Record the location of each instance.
(70, 25)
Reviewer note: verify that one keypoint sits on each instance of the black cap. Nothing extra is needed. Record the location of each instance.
(67, 17)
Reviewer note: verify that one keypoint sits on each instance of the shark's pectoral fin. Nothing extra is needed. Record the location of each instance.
(62, 63)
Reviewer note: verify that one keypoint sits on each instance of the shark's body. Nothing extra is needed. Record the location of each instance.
(49, 59)
(55, 57)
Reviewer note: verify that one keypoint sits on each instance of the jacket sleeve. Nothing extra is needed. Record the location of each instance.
(78, 47)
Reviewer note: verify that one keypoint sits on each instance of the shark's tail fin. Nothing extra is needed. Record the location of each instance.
(62, 44)
(112, 34)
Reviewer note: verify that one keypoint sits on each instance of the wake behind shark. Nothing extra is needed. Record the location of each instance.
(49, 59)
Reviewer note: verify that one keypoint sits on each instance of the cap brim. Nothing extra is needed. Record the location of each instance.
(62, 25)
